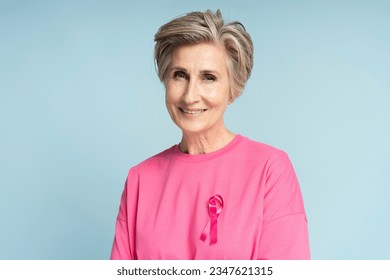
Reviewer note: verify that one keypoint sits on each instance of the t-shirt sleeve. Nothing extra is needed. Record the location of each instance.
(124, 240)
(284, 232)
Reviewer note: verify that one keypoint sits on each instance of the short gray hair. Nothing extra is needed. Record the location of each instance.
(206, 27)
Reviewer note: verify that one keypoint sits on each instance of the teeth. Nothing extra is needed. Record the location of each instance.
(193, 112)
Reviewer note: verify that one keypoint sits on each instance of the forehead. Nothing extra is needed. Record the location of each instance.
(200, 56)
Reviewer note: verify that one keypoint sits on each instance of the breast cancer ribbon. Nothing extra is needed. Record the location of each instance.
(215, 208)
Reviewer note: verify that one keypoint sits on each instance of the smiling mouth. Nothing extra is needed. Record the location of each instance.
(192, 112)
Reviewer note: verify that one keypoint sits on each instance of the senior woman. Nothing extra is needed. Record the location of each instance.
(216, 194)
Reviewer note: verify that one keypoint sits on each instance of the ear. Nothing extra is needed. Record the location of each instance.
(231, 99)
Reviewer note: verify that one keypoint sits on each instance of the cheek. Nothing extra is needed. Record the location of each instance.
(172, 94)
(219, 98)
(169, 104)
(169, 96)
(168, 100)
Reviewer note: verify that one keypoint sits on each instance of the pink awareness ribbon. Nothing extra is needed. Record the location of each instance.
(215, 208)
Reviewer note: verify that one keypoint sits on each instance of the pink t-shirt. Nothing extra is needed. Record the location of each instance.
(240, 202)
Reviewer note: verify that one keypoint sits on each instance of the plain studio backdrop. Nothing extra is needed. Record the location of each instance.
(80, 103)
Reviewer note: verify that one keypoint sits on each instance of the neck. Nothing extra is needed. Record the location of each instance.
(195, 144)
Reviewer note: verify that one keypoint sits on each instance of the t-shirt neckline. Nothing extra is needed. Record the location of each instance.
(179, 155)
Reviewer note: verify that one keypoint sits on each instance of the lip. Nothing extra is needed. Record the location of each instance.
(192, 112)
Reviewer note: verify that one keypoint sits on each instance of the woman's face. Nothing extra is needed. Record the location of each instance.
(198, 88)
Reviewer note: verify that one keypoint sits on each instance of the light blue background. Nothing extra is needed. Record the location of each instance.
(80, 103)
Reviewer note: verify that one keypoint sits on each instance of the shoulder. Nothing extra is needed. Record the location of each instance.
(272, 160)
(153, 162)
(259, 149)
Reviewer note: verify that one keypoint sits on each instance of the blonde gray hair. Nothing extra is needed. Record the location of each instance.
(207, 27)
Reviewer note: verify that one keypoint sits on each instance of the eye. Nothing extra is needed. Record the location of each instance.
(209, 78)
(180, 75)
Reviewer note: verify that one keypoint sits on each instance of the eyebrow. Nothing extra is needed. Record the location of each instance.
(178, 68)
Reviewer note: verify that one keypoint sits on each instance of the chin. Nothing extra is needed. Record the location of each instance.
(192, 129)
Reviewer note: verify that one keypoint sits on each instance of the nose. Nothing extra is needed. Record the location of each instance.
(191, 92)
